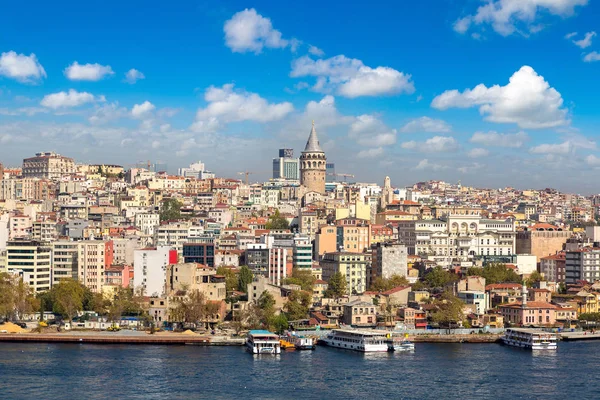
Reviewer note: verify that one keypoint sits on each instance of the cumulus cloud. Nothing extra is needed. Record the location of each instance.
(437, 144)
(426, 165)
(478, 152)
(225, 104)
(143, 110)
(349, 77)
(426, 124)
(22, 68)
(87, 72)
(570, 35)
(562, 148)
(69, 99)
(527, 100)
(370, 131)
(495, 139)
(509, 16)
(592, 161)
(315, 51)
(469, 169)
(586, 41)
(108, 112)
(591, 57)
(249, 31)
(133, 75)
(371, 153)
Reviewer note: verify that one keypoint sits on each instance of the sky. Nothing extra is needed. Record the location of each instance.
(491, 93)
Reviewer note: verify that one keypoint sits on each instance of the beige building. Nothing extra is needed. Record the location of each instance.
(312, 165)
(325, 240)
(541, 240)
(32, 261)
(93, 258)
(48, 165)
(352, 265)
(360, 313)
(192, 276)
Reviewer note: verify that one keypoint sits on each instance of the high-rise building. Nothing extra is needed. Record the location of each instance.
(32, 261)
(48, 165)
(302, 252)
(150, 270)
(93, 257)
(330, 172)
(312, 164)
(64, 260)
(196, 170)
(286, 166)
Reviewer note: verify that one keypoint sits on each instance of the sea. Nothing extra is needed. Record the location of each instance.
(432, 371)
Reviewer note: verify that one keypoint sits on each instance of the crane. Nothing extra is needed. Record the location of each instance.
(346, 176)
(247, 173)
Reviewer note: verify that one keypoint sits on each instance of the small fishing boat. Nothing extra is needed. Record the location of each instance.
(399, 344)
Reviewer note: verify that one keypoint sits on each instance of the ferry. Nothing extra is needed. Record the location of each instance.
(366, 341)
(263, 342)
(530, 339)
(302, 342)
(399, 344)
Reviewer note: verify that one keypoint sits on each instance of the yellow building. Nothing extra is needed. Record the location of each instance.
(325, 240)
(385, 217)
(358, 210)
(351, 265)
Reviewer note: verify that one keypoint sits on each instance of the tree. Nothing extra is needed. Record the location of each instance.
(298, 303)
(449, 309)
(336, 286)
(67, 298)
(279, 323)
(276, 221)
(7, 298)
(266, 302)
(231, 279)
(533, 278)
(439, 277)
(191, 308)
(495, 273)
(170, 210)
(302, 277)
(245, 277)
(383, 284)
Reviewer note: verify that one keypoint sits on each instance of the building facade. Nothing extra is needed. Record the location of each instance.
(582, 264)
(351, 265)
(286, 166)
(313, 165)
(32, 261)
(48, 165)
(150, 270)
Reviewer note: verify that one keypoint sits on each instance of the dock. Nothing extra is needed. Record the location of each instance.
(120, 339)
(576, 336)
(486, 338)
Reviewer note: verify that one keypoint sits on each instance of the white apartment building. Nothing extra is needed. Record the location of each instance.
(32, 261)
(458, 238)
(150, 270)
(64, 260)
(92, 259)
(173, 235)
(147, 222)
(582, 264)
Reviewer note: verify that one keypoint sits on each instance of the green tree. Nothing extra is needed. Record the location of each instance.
(593, 317)
(383, 284)
(302, 277)
(231, 279)
(448, 309)
(245, 277)
(279, 323)
(191, 308)
(495, 273)
(67, 298)
(533, 278)
(418, 285)
(336, 286)
(276, 221)
(298, 303)
(439, 277)
(266, 302)
(7, 296)
(170, 210)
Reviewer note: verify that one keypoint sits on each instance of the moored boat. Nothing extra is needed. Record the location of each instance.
(263, 342)
(530, 339)
(366, 341)
(303, 343)
(399, 344)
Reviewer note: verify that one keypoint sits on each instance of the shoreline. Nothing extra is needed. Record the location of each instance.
(197, 340)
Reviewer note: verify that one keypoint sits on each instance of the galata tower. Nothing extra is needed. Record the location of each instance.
(312, 164)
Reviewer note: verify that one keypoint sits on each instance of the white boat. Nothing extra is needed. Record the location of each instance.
(530, 339)
(400, 344)
(263, 342)
(366, 341)
(302, 343)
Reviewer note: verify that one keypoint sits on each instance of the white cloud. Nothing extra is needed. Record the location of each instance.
(72, 98)
(509, 16)
(370, 131)
(586, 41)
(570, 35)
(495, 139)
(28, 111)
(133, 75)
(562, 148)
(437, 144)
(349, 77)
(591, 57)
(25, 69)
(143, 110)
(592, 160)
(228, 105)
(426, 165)
(249, 31)
(426, 124)
(371, 153)
(468, 169)
(87, 72)
(315, 51)
(478, 152)
(107, 113)
(527, 100)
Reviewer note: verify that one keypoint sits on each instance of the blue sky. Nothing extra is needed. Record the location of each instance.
(416, 90)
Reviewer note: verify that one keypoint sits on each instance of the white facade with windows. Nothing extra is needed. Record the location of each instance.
(150, 270)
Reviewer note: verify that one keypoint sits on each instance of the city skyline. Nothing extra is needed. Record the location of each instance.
(492, 96)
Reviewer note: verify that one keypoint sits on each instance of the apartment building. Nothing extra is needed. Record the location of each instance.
(93, 257)
(32, 261)
(352, 265)
(582, 264)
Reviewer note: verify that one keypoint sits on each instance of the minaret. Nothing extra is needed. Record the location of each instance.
(312, 164)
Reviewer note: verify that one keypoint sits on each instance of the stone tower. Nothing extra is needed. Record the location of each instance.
(312, 164)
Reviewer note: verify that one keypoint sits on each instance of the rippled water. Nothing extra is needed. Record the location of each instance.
(443, 371)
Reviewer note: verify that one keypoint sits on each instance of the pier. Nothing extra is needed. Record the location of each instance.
(575, 336)
(146, 339)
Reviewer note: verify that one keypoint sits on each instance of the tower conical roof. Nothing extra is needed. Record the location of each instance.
(312, 145)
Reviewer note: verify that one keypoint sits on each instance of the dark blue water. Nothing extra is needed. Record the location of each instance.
(442, 371)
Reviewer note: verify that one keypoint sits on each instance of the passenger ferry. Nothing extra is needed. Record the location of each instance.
(366, 341)
(530, 339)
(263, 342)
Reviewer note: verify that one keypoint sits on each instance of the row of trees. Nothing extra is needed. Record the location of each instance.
(236, 281)
(193, 308)
(16, 298)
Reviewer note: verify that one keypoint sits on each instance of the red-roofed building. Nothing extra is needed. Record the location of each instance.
(553, 267)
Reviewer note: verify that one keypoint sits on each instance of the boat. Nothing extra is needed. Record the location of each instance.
(530, 339)
(303, 342)
(286, 344)
(366, 341)
(399, 344)
(263, 342)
